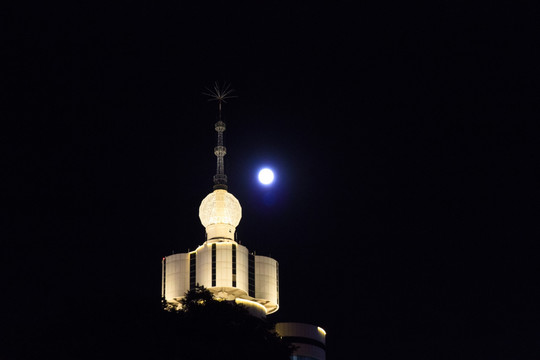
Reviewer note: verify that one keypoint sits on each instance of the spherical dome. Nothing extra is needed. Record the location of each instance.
(220, 207)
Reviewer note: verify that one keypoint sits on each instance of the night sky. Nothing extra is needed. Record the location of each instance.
(405, 212)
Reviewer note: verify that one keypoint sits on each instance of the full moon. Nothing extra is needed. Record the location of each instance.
(266, 176)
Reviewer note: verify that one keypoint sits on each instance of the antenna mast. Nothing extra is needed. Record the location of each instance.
(219, 94)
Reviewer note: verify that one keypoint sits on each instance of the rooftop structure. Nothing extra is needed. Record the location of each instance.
(229, 270)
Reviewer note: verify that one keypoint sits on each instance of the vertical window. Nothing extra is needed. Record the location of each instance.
(164, 272)
(251, 277)
(234, 265)
(213, 264)
(192, 270)
(277, 282)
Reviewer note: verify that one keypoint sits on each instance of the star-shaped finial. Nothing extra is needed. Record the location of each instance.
(219, 93)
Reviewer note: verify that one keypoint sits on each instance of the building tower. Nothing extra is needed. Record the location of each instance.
(221, 264)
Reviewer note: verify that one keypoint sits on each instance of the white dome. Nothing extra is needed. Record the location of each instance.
(220, 207)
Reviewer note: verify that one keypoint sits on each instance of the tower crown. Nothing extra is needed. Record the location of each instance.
(219, 94)
(220, 211)
(220, 207)
(222, 265)
(220, 179)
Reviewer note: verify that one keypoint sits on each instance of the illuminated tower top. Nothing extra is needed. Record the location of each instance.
(220, 211)
(221, 264)
(220, 94)
(220, 179)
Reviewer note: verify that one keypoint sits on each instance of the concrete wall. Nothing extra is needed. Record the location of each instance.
(266, 278)
(177, 274)
(310, 340)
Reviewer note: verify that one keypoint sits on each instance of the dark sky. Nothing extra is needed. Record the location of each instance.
(405, 215)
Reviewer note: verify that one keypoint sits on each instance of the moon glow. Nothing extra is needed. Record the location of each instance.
(266, 176)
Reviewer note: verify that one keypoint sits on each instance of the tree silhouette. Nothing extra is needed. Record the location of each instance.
(196, 298)
(206, 328)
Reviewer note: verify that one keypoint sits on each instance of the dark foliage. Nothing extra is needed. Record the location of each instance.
(103, 329)
(207, 328)
(196, 299)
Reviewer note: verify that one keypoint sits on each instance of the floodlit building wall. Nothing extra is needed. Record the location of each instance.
(175, 269)
(266, 279)
(204, 265)
(242, 268)
(177, 278)
(223, 264)
(309, 340)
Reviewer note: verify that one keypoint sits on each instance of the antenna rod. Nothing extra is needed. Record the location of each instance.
(220, 179)
(220, 94)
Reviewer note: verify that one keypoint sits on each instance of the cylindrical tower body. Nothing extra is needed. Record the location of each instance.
(266, 279)
(225, 268)
(175, 276)
(309, 340)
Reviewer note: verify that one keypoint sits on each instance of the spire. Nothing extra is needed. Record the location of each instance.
(220, 179)
(219, 94)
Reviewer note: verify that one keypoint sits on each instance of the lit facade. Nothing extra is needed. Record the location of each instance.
(309, 340)
(229, 270)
